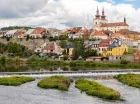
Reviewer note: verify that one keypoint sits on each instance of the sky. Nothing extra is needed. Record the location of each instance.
(67, 13)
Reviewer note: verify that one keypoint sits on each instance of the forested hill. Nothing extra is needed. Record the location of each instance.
(16, 27)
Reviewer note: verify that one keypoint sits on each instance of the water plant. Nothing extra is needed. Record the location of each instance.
(130, 79)
(95, 89)
(15, 80)
(55, 82)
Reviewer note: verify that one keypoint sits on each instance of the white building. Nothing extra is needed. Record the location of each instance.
(101, 23)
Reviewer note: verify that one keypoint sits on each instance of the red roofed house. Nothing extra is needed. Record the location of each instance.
(103, 46)
(100, 35)
(52, 48)
(38, 33)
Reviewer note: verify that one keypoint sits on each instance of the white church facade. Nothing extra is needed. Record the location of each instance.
(101, 23)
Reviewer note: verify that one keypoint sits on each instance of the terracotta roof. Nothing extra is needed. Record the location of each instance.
(39, 31)
(104, 43)
(114, 24)
(76, 29)
(117, 35)
(99, 33)
(107, 32)
(50, 46)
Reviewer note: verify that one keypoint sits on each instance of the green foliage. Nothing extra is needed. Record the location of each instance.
(130, 79)
(55, 82)
(15, 81)
(65, 57)
(3, 60)
(95, 89)
(79, 50)
(14, 48)
(63, 43)
(123, 61)
(91, 53)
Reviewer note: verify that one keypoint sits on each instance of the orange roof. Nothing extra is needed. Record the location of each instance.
(99, 33)
(104, 43)
(114, 24)
(50, 46)
(117, 35)
(39, 31)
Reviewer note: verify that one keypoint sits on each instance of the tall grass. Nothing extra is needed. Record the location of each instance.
(130, 79)
(95, 89)
(15, 80)
(55, 82)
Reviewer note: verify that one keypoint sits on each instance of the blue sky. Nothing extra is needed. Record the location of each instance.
(135, 3)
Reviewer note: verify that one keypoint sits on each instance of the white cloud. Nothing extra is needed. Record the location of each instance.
(69, 13)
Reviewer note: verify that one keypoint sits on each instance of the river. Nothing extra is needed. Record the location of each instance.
(29, 93)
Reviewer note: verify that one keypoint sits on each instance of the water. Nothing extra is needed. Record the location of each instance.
(29, 93)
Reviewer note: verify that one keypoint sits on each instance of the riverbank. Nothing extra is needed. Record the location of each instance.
(82, 64)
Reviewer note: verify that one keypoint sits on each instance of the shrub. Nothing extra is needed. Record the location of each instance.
(123, 61)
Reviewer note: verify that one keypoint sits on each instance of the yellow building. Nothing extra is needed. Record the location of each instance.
(115, 50)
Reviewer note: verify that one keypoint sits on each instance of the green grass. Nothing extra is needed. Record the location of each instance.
(55, 82)
(130, 79)
(15, 80)
(95, 89)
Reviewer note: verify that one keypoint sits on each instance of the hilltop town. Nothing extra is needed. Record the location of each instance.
(103, 42)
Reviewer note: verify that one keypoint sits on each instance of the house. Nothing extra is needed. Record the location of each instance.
(21, 35)
(95, 44)
(54, 32)
(38, 33)
(40, 48)
(29, 32)
(103, 46)
(11, 33)
(52, 48)
(117, 35)
(99, 35)
(73, 32)
(116, 48)
(69, 49)
(87, 33)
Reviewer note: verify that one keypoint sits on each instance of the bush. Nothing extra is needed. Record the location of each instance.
(130, 79)
(123, 61)
(56, 82)
(95, 89)
(15, 81)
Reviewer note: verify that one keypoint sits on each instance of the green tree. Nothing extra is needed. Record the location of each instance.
(63, 43)
(79, 50)
(14, 48)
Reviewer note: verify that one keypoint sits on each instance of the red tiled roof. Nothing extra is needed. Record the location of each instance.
(116, 35)
(39, 31)
(104, 43)
(114, 24)
(50, 46)
(99, 33)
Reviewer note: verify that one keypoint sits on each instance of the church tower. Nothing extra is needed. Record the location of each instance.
(97, 20)
(103, 17)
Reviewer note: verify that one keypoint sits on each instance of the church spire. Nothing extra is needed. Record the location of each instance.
(124, 19)
(103, 14)
(97, 14)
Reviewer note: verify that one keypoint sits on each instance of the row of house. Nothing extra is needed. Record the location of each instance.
(129, 38)
(33, 33)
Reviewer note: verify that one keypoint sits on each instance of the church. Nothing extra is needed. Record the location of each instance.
(101, 23)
